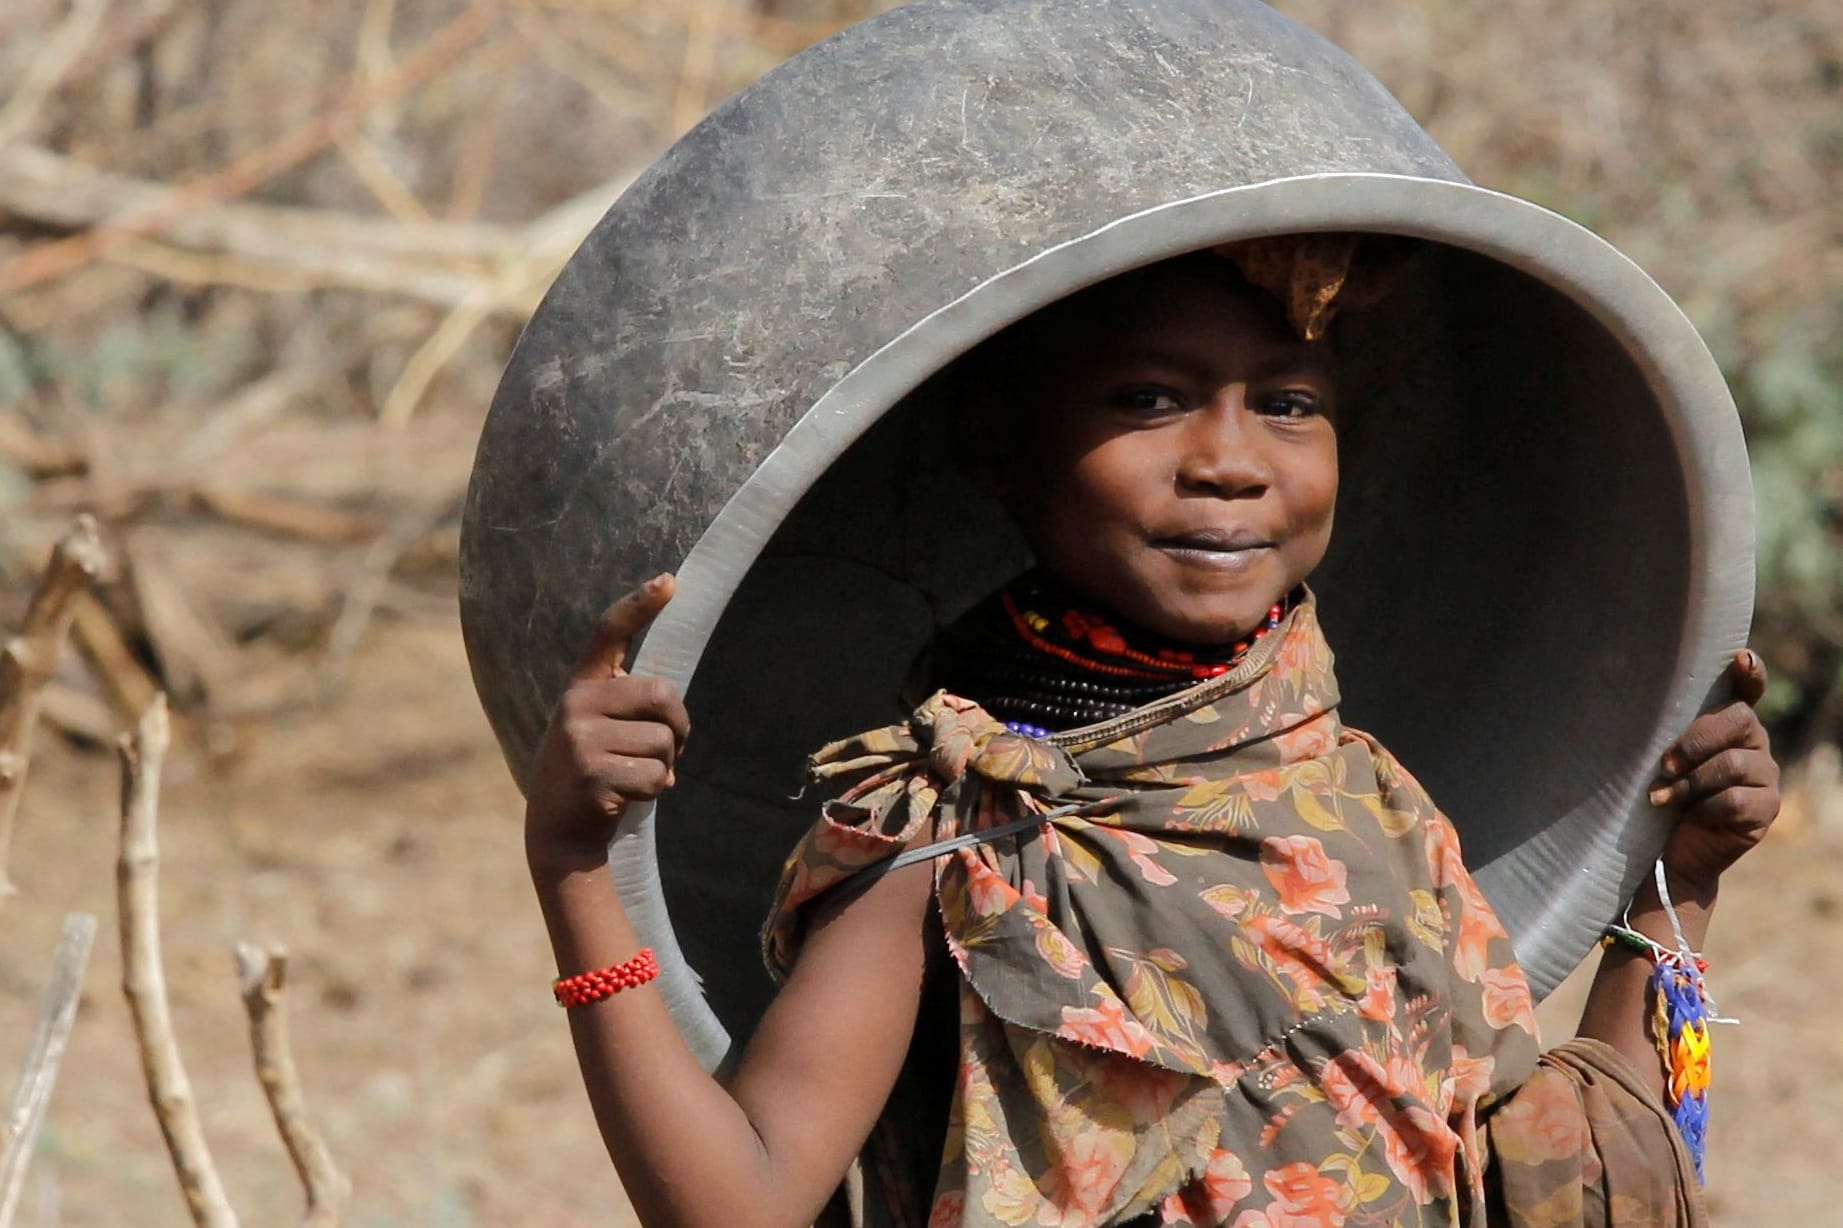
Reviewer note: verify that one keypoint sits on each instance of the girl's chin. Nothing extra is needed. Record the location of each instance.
(1216, 626)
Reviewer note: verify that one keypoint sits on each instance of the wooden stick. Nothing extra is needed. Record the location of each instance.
(30, 658)
(46, 70)
(264, 976)
(144, 980)
(49, 1042)
(62, 256)
(105, 650)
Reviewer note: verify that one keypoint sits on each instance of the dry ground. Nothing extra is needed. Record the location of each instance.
(378, 838)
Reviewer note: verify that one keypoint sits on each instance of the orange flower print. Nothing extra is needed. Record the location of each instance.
(949, 1211)
(1541, 1123)
(1507, 999)
(1378, 1001)
(1225, 1182)
(1307, 880)
(1106, 1026)
(1078, 1189)
(1144, 1092)
(989, 893)
(1211, 1198)
(1296, 953)
(1140, 849)
(1058, 952)
(1467, 1078)
(1303, 1197)
(1418, 1145)
(1311, 740)
(1266, 785)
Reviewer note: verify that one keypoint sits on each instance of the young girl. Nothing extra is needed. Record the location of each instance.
(1123, 925)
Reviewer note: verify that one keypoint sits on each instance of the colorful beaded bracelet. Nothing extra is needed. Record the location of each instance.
(1682, 1011)
(587, 987)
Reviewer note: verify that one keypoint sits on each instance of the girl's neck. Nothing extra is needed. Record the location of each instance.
(1039, 656)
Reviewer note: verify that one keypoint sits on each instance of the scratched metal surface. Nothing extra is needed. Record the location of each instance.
(1545, 532)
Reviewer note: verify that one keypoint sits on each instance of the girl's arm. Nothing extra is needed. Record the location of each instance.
(1723, 776)
(769, 1148)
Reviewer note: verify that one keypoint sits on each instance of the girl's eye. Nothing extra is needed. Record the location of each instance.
(1292, 403)
(1150, 401)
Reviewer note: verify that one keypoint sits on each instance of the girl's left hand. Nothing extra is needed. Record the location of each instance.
(1722, 775)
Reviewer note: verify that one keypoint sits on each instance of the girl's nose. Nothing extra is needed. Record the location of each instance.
(1220, 456)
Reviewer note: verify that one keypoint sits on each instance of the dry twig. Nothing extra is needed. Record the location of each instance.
(278, 248)
(144, 980)
(55, 259)
(47, 70)
(263, 975)
(129, 686)
(30, 658)
(40, 1074)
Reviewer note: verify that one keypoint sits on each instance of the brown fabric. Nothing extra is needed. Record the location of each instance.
(1583, 1142)
(1252, 985)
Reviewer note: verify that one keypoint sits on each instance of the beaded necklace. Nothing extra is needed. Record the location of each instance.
(1041, 660)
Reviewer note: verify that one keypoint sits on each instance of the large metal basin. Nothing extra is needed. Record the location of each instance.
(1544, 551)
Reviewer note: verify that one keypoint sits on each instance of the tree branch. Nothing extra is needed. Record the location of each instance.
(264, 975)
(144, 980)
(52, 260)
(40, 1074)
(29, 659)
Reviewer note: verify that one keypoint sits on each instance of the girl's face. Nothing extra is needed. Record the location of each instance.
(1178, 462)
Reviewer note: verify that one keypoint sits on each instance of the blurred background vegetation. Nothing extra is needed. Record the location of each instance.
(261, 264)
(452, 153)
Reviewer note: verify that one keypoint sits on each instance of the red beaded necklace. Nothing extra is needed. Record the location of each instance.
(1096, 644)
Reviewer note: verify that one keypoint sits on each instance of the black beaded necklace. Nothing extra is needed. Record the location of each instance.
(1041, 660)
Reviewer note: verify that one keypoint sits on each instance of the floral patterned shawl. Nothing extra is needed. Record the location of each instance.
(1251, 984)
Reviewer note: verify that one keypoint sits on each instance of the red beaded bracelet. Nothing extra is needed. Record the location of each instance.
(587, 987)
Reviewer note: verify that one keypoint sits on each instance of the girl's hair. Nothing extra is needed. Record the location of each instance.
(990, 370)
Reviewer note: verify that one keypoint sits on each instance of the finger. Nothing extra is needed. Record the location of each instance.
(638, 740)
(1746, 811)
(626, 697)
(1710, 734)
(1748, 676)
(1731, 769)
(620, 623)
(634, 778)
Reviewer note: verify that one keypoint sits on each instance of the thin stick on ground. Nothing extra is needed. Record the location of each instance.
(40, 1074)
(30, 658)
(264, 977)
(143, 752)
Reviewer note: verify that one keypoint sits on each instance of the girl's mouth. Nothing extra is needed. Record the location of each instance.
(1226, 550)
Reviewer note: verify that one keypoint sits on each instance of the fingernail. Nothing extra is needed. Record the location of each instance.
(1659, 795)
(652, 586)
(1672, 764)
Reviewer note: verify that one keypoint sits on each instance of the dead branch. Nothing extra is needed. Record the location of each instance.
(129, 686)
(277, 248)
(40, 1075)
(57, 258)
(30, 659)
(197, 659)
(264, 974)
(47, 70)
(312, 522)
(143, 753)
(37, 455)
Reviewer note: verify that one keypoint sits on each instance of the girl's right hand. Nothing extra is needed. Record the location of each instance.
(614, 739)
